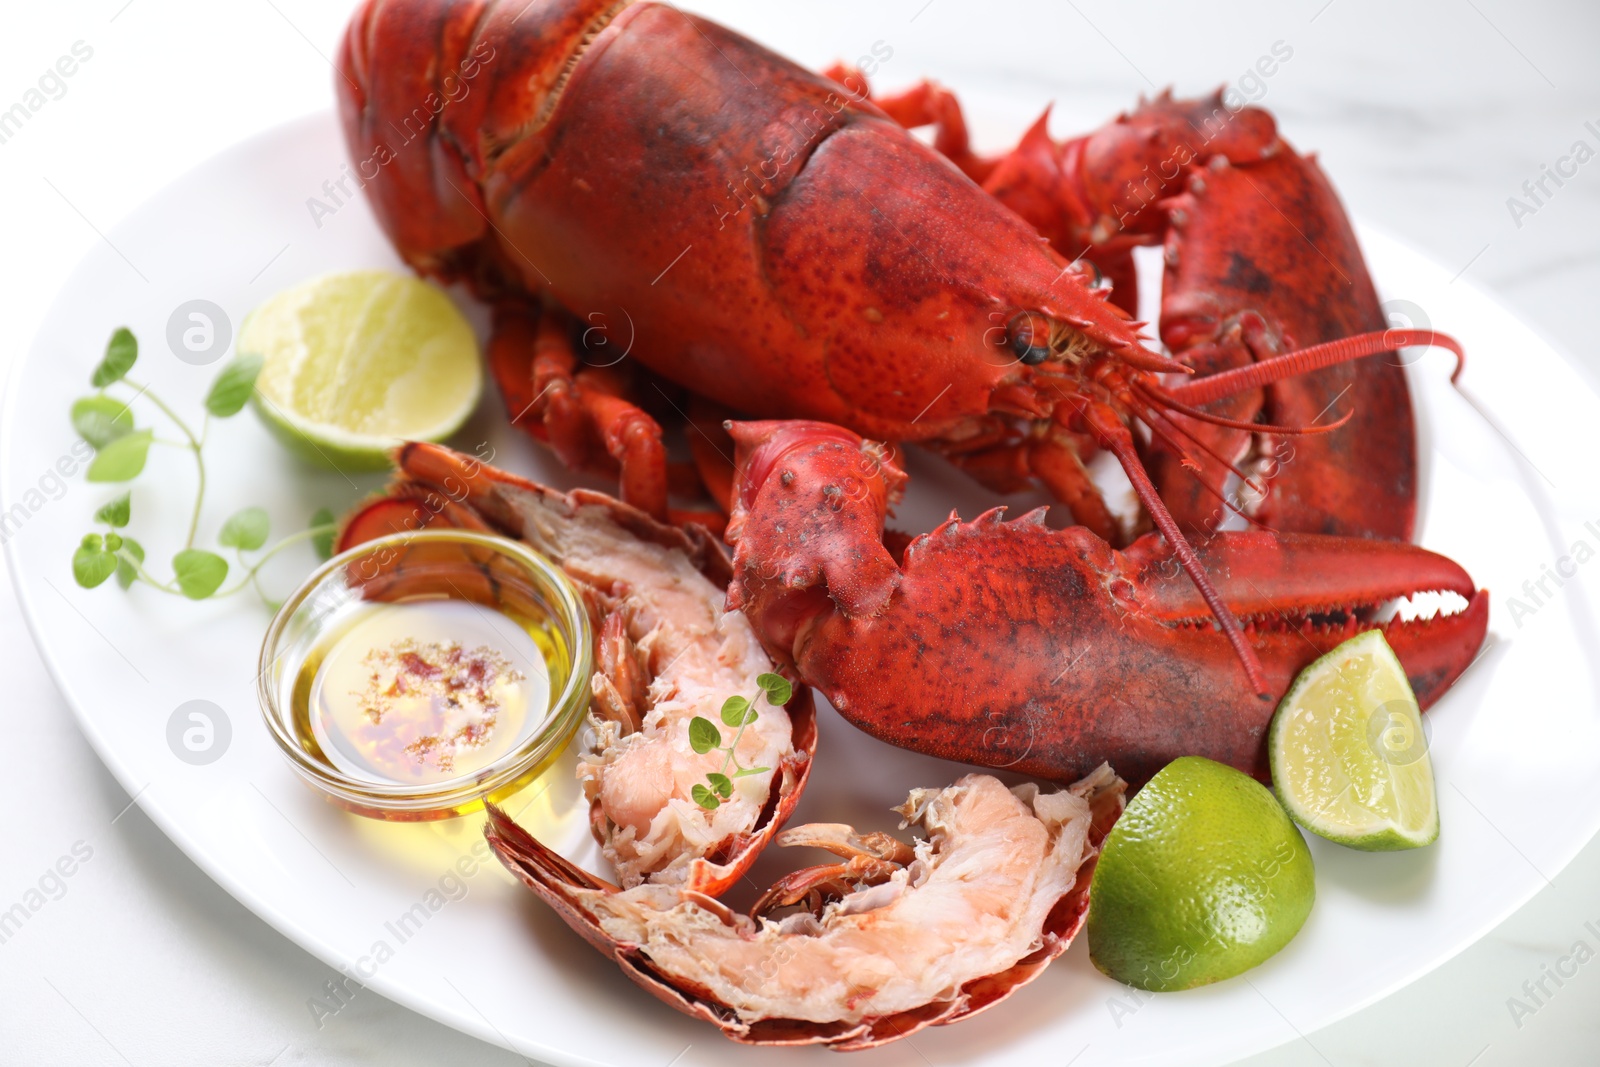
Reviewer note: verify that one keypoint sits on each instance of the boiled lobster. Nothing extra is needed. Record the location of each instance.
(517, 194)
(858, 277)
(782, 246)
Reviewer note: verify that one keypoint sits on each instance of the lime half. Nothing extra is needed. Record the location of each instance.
(356, 363)
(1202, 878)
(1349, 756)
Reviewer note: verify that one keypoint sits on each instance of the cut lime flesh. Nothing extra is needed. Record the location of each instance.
(1348, 752)
(356, 363)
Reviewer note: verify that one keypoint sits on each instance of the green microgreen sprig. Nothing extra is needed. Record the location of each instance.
(107, 423)
(706, 736)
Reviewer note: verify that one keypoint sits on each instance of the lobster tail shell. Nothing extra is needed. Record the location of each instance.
(390, 102)
(561, 884)
(567, 889)
(431, 93)
(439, 484)
(715, 875)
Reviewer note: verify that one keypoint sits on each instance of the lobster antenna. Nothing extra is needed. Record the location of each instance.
(1222, 497)
(1166, 399)
(1240, 379)
(1148, 415)
(1164, 427)
(1119, 442)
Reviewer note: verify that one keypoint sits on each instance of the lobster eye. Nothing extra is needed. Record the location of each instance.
(1029, 333)
(1092, 274)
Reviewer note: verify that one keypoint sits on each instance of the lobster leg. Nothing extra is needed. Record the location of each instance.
(511, 363)
(621, 684)
(583, 414)
(1003, 464)
(1003, 468)
(1045, 650)
(712, 449)
(869, 859)
(1057, 464)
(631, 437)
(925, 104)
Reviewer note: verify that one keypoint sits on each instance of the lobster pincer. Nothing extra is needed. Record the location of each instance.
(1046, 651)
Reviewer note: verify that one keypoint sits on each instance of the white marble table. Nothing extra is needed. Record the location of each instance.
(1428, 115)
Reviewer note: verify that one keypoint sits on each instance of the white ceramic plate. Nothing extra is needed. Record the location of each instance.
(1515, 743)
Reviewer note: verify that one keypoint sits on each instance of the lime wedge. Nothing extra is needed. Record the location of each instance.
(1349, 757)
(1202, 878)
(356, 363)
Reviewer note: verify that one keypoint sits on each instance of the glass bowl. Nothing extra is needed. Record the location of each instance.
(495, 572)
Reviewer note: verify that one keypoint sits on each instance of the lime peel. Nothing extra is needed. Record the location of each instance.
(1202, 878)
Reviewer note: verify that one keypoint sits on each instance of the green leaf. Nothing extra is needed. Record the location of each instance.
(705, 798)
(121, 352)
(721, 784)
(199, 572)
(101, 419)
(122, 459)
(742, 771)
(116, 512)
(704, 735)
(126, 575)
(734, 711)
(92, 564)
(246, 529)
(323, 542)
(234, 385)
(777, 688)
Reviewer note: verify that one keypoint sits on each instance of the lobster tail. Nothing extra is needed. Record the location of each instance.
(432, 93)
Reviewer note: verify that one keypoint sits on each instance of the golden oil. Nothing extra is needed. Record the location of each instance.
(466, 673)
(525, 660)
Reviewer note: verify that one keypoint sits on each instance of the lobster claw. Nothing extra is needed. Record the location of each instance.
(1298, 591)
(1046, 651)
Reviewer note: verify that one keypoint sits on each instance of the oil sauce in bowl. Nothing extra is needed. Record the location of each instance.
(416, 676)
(426, 691)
